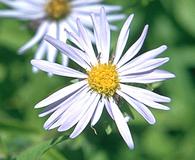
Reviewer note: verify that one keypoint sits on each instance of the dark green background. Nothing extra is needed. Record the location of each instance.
(172, 137)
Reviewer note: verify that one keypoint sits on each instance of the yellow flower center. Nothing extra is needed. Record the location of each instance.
(103, 78)
(57, 9)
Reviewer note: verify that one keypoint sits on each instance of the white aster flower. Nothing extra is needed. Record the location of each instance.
(52, 17)
(103, 79)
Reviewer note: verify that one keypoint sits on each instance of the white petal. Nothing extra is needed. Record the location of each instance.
(146, 66)
(68, 51)
(57, 69)
(57, 114)
(21, 5)
(72, 36)
(86, 21)
(38, 36)
(121, 124)
(84, 9)
(151, 77)
(74, 115)
(38, 15)
(97, 34)
(65, 102)
(72, 25)
(56, 117)
(115, 17)
(51, 50)
(82, 55)
(139, 107)
(84, 18)
(63, 37)
(61, 94)
(143, 98)
(108, 107)
(105, 37)
(21, 15)
(102, 36)
(40, 53)
(85, 119)
(98, 113)
(122, 39)
(62, 34)
(146, 93)
(87, 43)
(146, 56)
(84, 2)
(51, 53)
(72, 28)
(38, 2)
(134, 49)
(11, 13)
(52, 107)
(65, 60)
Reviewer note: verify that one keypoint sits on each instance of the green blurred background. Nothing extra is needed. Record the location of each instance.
(172, 137)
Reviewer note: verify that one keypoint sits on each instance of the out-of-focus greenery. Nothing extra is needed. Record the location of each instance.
(172, 137)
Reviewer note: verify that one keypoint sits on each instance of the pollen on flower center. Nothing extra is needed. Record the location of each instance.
(57, 9)
(103, 78)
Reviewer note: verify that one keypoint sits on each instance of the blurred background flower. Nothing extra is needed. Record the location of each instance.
(51, 17)
(172, 137)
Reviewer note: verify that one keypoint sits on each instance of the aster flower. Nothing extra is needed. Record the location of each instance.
(52, 17)
(102, 79)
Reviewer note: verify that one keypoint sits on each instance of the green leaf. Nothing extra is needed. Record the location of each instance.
(53, 154)
(35, 152)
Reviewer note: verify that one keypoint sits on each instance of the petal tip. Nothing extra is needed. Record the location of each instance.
(38, 105)
(173, 75)
(132, 15)
(21, 50)
(41, 115)
(78, 20)
(152, 122)
(146, 27)
(102, 9)
(164, 47)
(167, 109)
(72, 136)
(35, 70)
(131, 146)
(33, 61)
(60, 129)
(168, 100)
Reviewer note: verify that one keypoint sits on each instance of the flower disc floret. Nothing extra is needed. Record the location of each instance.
(103, 78)
(57, 9)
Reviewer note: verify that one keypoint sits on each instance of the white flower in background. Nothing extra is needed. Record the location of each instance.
(52, 17)
(102, 79)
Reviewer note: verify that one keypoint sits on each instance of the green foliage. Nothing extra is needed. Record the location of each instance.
(35, 152)
(172, 137)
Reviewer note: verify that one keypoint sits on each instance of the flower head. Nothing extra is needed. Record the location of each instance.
(52, 17)
(57, 9)
(103, 79)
